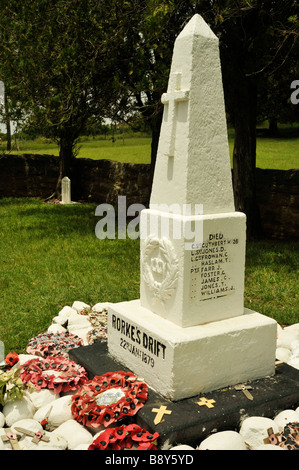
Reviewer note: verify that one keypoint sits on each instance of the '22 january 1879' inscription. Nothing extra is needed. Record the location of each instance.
(210, 268)
(138, 342)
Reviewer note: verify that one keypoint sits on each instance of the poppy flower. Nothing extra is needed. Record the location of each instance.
(11, 359)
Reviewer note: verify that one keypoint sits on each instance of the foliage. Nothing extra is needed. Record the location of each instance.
(11, 386)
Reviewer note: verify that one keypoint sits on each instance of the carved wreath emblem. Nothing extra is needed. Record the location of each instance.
(159, 267)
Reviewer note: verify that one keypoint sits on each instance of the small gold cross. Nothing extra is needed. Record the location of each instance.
(205, 402)
(160, 413)
(245, 389)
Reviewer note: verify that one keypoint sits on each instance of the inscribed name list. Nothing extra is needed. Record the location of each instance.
(210, 268)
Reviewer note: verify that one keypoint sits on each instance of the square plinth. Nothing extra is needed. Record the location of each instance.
(182, 362)
(192, 267)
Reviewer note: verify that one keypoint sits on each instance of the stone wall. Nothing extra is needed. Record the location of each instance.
(103, 180)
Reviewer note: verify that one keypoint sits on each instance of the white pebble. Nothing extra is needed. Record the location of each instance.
(77, 305)
(286, 338)
(21, 408)
(2, 420)
(182, 447)
(223, 440)
(294, 361)
(255, 429)
(74, 434)
(285, 417)
(41, 398)
(56, 328)
(67, 311)
(283, 354)
(268, 447)
(294, 329)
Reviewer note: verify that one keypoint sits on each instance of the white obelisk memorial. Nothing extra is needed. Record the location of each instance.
(189, 332)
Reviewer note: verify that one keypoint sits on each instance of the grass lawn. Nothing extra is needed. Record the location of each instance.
(281, 153)
(50, 257)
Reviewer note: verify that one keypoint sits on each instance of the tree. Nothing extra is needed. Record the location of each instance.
(258, 39)
(58, 63)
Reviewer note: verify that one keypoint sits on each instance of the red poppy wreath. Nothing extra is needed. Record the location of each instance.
(108, 398)
(53, 344)
(125, 437)
(55, 373)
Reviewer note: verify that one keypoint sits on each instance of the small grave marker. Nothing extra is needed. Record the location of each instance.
(65, 190)
(13, 438)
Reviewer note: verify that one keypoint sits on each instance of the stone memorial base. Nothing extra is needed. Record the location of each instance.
(182, 362)
(193, 419)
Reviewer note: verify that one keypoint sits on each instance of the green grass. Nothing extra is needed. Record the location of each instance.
(50, 257)
(274, 153)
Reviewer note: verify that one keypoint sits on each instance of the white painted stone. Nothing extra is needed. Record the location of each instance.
(66, 311)
(295, 346)
(78, 305)
(286, 338)
(255, 429)
(268, 447)
(76, 321)
(41, 398)
(60, 320)
(294, 329)
(193, 163)
(29, 424)
(56, 442)
(223, 440)
(182, 447)
(80, 326)
(2, 420)
(294, 361)
(25, 357)
(16, 410)
(74, 434)
(181, 362)
(81, 447)
(283, 354)
(100, 305)
(56, 328)
(43, 412)
(65, 190)
(58, 411)
(285, 417)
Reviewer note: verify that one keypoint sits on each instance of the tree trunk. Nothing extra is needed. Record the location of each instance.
(244, 156)
(7, 121)
(273, 127)
(66, 161)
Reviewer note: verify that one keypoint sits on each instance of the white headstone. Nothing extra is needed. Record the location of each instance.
(66, 190)
(189, 332)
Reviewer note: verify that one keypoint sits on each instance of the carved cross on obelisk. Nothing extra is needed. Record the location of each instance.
(173, 96)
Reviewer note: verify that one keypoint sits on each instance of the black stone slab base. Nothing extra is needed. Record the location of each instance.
(190, 422)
